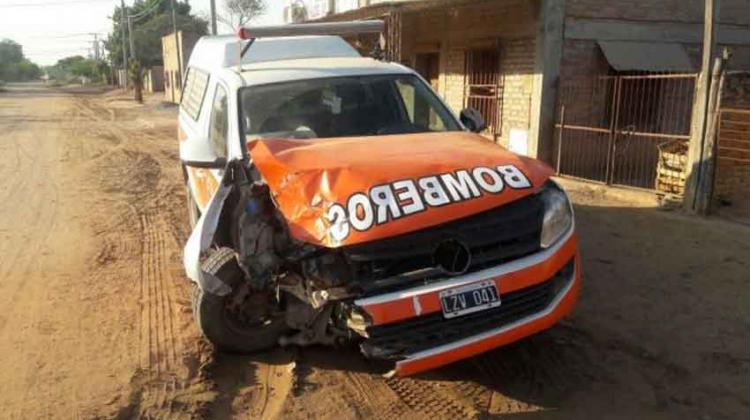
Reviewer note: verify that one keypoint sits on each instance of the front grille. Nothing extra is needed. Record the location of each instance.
(494, 237)
(394, 341)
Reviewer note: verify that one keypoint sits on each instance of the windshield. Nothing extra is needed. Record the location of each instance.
(343, 107)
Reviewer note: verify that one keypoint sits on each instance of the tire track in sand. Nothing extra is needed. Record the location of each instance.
(161, 376)
(160, 342)
(430, 399)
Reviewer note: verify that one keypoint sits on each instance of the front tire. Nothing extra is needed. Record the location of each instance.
(219, 324)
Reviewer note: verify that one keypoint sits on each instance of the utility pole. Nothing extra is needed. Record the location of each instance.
(138, 92)
(708, 168)
(96, 47)
(213, 17)
(130, 36)
(697, 166)
(123, 13)
(177, 45)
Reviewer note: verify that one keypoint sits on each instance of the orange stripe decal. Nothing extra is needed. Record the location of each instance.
(204, 185)
(410, 306)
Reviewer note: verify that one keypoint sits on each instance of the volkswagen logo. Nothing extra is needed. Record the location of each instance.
(453, 256)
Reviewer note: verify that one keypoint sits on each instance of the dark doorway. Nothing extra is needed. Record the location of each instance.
(428, 66)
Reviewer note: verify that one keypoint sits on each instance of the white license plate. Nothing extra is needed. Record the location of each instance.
(468, 299)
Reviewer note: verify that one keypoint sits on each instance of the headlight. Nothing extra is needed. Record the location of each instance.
(558, 215)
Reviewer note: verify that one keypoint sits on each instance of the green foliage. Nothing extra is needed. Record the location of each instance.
(135, 71)
(13, 65)
(10, 51)
(78, 66)
(149, 29)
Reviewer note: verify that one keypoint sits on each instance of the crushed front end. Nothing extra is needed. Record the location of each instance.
(421, 265)
(406, 283)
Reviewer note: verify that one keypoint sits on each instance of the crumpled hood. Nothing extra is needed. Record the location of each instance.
(344, 191)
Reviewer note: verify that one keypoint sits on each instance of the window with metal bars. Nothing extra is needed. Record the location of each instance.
(482, 89)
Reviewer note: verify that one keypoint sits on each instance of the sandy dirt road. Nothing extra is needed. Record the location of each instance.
(95, 319)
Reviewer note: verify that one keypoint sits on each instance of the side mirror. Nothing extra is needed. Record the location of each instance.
(473, 120)
(198, 152)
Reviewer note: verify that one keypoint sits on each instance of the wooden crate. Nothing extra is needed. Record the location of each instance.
(671, 171)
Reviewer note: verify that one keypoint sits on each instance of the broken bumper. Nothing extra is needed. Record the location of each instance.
(536, 291)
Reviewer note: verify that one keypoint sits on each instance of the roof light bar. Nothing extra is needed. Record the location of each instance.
(327, 28)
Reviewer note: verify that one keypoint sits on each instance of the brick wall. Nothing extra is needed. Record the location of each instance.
(582, 61)
(654, 10)
(731, 11)
(452, 77)
(516, 78)
(586, 96)
(732, 182)
(580, 57)
(737, 91)
(517, 68)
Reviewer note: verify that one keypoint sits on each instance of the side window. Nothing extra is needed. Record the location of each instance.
(420, 111)
(219, 124)
(196, 83)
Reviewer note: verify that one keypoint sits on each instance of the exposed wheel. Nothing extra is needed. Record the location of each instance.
(194, 212)
(243, 321)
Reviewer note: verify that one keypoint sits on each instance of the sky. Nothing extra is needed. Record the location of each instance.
(50, 30)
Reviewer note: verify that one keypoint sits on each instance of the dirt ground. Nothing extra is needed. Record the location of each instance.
(96, 322)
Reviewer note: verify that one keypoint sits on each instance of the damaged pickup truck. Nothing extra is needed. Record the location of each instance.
(336, 199)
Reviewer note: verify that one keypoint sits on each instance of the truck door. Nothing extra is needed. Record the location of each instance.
(203, 132)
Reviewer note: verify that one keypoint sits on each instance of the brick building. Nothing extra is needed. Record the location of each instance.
(625, 71)
(175, 53)
(479, 54)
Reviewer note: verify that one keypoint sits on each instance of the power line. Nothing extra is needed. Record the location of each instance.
(63, 35)
(65, 42)
(78, 50)
(68, 37)
(136, 17)
(55, 49)
(73, 35)
(51, 3)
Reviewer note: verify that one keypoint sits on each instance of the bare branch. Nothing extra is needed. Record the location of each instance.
(237, 13)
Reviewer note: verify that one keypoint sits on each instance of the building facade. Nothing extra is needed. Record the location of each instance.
(175, 52)
(601, 89)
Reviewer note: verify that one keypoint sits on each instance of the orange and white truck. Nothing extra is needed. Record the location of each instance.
(336, 199)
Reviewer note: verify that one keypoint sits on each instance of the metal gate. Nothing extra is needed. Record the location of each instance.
(483, 88)
(630, 130)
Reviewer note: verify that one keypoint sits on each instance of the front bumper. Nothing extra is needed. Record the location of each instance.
(411, 310)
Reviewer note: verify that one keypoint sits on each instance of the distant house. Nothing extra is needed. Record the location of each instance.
(176, 52)
(153, 79)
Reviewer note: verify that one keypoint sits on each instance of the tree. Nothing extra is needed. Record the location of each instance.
(299, 12)
(13, 65)
(239, 12)
(77, 66)
(149, 29)
(28, 70)
(148, 36)
(10, 52)
(135, 72)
